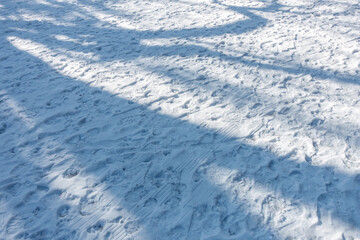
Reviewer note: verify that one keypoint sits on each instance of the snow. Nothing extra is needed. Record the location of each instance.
(179, 119)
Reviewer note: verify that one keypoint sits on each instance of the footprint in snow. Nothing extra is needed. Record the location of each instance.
(70, 173)
(136, 194)
(98, 226)
(63, 211)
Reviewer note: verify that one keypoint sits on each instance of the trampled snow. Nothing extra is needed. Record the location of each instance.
(179, 119)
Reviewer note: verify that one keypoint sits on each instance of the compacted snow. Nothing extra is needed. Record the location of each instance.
(179, 119)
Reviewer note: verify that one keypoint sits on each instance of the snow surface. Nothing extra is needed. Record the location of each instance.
(179, 119)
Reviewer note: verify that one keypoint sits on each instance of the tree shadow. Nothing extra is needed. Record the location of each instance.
(121, 150)
(140, 169)
(129, 44)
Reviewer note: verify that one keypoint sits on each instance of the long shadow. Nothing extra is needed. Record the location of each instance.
(120, 148)
(138, 157)
(129, 46)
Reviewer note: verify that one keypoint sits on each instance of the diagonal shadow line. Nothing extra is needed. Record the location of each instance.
(266, 169)
(138, 50)
(302, 170)
(137, 113)
(194, 50)
(254, 21)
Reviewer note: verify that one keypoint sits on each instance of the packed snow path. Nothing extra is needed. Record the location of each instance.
(179, 119)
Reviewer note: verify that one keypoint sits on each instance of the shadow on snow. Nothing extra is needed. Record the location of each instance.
(156, 167)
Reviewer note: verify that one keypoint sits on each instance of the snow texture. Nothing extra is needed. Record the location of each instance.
(179, 119)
